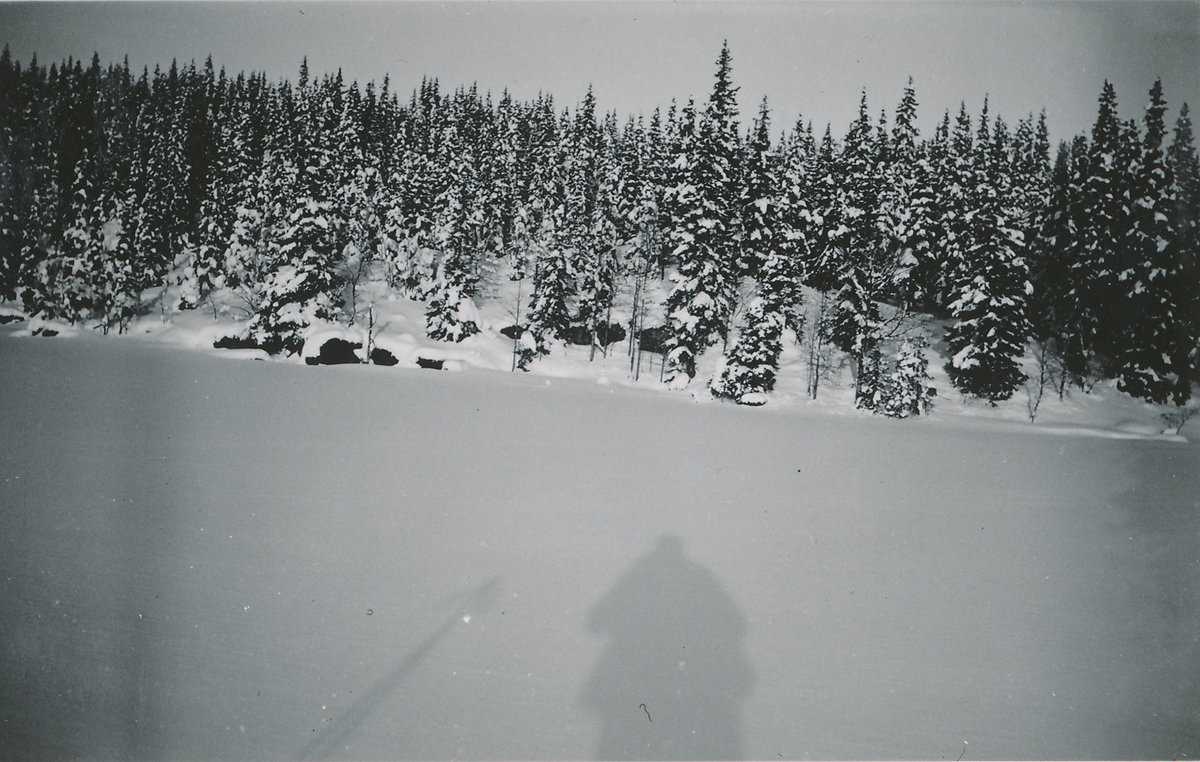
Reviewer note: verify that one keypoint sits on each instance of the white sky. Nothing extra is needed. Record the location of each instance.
(808, 57)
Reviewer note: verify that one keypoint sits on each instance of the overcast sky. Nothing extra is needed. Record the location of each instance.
(812, 58)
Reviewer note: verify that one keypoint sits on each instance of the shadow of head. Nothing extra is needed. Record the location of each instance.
(672, 679)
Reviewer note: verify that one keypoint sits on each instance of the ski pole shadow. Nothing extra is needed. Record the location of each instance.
(671, 682)
(326, 745)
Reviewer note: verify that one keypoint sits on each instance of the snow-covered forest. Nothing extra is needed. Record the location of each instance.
(691, 230)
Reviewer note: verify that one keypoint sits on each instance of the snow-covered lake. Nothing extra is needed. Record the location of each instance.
(203, 557)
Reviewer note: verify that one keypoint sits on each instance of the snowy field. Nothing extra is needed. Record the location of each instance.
(209, 557)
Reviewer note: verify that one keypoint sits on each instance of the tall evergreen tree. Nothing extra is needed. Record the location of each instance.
(705, 195)
(752, 363)
(990, 326)
(1185, 222)
(867, 266)
(1103, 240)
(304, 287)
(1144, 363)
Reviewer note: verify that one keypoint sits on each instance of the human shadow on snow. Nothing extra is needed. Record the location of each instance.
(671, 682)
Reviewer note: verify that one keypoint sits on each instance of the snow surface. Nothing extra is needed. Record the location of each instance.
(267, 560)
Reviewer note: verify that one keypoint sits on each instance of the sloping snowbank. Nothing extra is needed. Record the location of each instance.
(398, 326)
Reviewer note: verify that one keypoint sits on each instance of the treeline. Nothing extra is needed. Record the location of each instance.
(685, 228)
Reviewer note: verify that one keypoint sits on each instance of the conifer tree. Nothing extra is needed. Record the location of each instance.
(450, 314)
(304, 287)
(1185, 223)
(590, 232)
(753, 361)
(67, 274)
(752, 364)
(704, 196)
(796, 226)
(549, 313)
(1144, 362)
(866, 267)
(906, 391)
(825, 255)
(1105, 222)
(698, 302)
(1053, 319)
(908, 208)
(990, 326)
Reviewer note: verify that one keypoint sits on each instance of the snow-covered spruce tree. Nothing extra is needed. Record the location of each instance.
(955, 184)
(1144, 362)
(824, 194)
(694, 304)
(1185, 221)
(1105, 223)
(905, 391)
(67, 273)
(118, 285)
(1052, 311)
(1031, 173)
(704, 199)
(908, 208)
(39, 211)
(795, 227)
(362, 202)
(591, 188)
(990, 325)
(549, 313)
(450, 314)
(91, 275)
(206, 271)
(416, 181)
(752, 363)
(866, 267)
(162, 210)
(303, 288)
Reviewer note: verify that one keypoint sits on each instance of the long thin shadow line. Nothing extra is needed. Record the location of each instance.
(326, 744)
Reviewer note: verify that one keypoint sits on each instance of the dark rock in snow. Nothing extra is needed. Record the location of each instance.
(45, 332)
(653, 339)
(425, 362)
(383, 357)
(605, 335)
(336, 352)
(10, 319)
(513, 331)
(234, 342)
(610, 334)
(578, 335)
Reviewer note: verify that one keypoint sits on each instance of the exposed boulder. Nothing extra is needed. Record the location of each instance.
(605, 335)
(336, 352)
(381, 356)
(513, 332)
(653, 339)
(234, 342)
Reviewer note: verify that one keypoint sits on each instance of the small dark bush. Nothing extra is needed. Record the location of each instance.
(336, 352)
(430, 364)
(383, 357)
